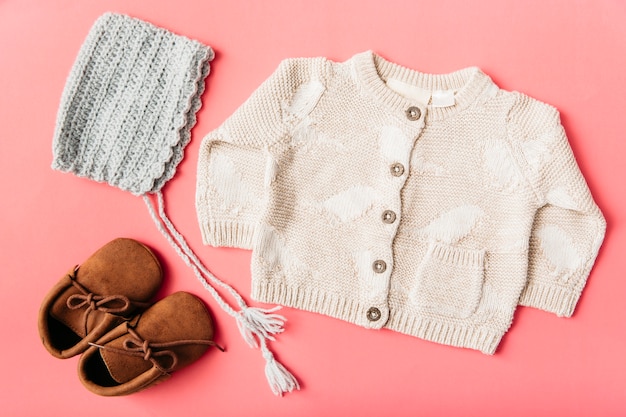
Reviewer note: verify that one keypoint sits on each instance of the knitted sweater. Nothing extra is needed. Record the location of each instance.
(431, 205)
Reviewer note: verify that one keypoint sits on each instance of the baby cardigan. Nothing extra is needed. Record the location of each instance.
(427, 204)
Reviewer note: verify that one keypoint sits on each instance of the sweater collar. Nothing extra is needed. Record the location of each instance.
(373, 71)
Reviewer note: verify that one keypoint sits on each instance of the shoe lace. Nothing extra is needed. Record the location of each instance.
(135, 345)
(113, 304)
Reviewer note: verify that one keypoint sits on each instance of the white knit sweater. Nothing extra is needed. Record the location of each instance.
(427, 204)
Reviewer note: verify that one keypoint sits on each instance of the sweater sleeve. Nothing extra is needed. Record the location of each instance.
(235, 159)
(568, 227)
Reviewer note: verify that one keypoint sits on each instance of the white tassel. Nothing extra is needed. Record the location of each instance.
(261, 322)
(246, 332)
(265, 321)
(280, 379)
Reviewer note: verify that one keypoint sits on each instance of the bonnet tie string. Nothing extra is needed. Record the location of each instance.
(256, 325)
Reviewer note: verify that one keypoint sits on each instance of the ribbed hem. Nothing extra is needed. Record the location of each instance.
(229, 234)
(310, 299)
(456, 334)
(471, 336)
(373, 71)
(558, 300)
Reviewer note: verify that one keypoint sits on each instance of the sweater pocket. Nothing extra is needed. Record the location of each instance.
(449, 280)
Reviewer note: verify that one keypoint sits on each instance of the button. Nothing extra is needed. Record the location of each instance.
(397, 169)
(413, 113)
(373, 314)
(379, 266)
(389, 216)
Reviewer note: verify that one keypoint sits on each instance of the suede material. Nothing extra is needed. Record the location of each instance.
(178, 317)
(121, 267)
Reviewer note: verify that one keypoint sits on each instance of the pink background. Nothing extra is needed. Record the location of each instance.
(569, 53)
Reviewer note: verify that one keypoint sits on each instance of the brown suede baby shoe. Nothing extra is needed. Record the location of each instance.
(137, 354)
(93, 298)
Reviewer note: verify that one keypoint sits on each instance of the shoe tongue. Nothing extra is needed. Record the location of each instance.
(121, 366)
(72, 319)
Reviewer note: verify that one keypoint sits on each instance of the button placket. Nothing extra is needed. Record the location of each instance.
(378, 312)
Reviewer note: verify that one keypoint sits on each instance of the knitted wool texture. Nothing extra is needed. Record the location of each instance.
(431, 205)
(129, 104)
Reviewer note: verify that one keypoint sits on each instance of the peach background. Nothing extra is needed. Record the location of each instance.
(570, 53)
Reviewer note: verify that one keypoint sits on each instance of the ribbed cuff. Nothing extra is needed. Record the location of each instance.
(558, 300)
(229, 234)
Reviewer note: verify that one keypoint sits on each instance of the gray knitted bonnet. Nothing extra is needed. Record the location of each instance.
(124, 119)
(129, 104)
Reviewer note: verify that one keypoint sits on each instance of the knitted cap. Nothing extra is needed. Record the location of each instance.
(129, 104)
